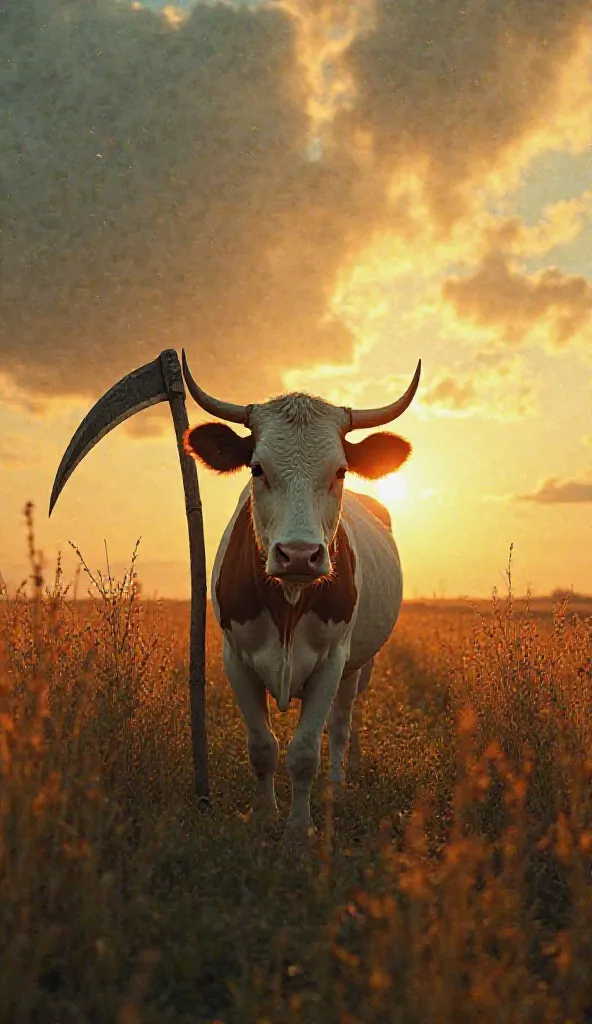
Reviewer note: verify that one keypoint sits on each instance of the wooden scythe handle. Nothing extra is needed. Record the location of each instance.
(173, 378)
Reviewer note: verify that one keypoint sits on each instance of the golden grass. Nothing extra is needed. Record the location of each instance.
(451, 882)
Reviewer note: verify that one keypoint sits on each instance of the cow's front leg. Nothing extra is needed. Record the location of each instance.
(339, 725)
(304, 751)
(261, 743)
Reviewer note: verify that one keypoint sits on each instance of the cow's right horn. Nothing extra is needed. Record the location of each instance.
(224, 410)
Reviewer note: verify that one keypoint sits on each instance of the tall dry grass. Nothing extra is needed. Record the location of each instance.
(451, 882)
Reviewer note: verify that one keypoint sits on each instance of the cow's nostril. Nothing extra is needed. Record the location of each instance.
(282, 555)
(298, 558)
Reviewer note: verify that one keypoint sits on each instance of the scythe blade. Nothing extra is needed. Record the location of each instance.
(137, 390)
(159, 381)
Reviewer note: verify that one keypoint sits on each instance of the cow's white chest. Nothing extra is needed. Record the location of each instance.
(259, 645)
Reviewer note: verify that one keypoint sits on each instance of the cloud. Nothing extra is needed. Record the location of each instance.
(159, 193)
(464, 93)
(452, 394)
(351, 383)
(554, 491)
(150, 423)
(13, 455)
(559, 225)
(210, 181)
(519, 307)
(495, 389)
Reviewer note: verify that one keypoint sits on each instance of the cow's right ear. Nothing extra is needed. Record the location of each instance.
(217, 446)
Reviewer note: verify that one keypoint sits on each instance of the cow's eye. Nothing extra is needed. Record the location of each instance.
(256, 469)
(340, 474)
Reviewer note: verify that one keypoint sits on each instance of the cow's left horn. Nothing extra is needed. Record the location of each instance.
(224, 410)
(359, 418)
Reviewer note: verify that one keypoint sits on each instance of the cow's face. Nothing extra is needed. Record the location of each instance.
(298, 457)
(298, 467)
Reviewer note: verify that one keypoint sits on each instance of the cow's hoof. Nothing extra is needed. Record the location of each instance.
(264, 814)
(300, 838)
(335, 788)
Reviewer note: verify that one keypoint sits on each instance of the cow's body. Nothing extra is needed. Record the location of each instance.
(307, 581)
(353, 613)
(324, 638)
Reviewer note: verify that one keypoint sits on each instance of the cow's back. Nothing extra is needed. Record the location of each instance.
(380, 584)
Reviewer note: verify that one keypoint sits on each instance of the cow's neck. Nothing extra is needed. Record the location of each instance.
(244, 590)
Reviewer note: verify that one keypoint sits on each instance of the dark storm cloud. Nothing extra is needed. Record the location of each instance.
(451, 86)
(156, 192)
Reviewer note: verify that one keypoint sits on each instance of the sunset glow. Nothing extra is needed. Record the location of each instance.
(391, 489)
(310, 197)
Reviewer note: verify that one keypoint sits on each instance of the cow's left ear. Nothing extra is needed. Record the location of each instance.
(377, 455)
(218, 447)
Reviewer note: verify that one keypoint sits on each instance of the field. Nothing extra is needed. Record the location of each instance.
(451, 882)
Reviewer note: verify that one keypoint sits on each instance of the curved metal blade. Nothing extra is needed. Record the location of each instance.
(137, 390)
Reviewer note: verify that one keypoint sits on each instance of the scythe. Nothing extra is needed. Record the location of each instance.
(159, 381)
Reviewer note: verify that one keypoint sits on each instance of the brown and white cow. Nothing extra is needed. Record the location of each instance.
(307, 582)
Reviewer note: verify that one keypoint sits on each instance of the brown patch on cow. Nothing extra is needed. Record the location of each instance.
(243, 588)
(375, 507)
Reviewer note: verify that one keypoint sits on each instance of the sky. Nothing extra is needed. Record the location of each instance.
(305, 196)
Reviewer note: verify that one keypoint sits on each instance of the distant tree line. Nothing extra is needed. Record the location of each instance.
(560, 594)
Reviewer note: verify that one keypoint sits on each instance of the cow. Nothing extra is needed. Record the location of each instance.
(307, 581)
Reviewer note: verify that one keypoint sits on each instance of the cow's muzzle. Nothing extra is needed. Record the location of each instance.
(298, 561)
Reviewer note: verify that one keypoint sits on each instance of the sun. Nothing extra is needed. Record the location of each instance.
(391, 488)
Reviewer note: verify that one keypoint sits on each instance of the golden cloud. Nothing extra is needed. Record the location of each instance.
(13, 455)
(467, 95)
(495, 389)
(555, 491)
(502, 297)
(559, 225)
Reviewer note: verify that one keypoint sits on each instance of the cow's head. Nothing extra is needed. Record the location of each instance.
(298, 456)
